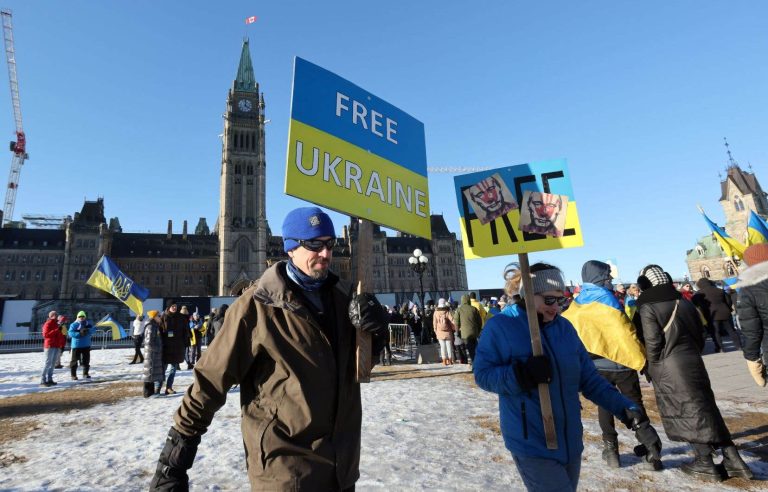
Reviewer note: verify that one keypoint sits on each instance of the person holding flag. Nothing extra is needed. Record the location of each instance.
(80, 332)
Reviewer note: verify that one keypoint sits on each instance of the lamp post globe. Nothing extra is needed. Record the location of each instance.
(418, 263)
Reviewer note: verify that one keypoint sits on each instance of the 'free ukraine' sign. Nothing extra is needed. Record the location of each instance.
(355, 153)
(502, 235)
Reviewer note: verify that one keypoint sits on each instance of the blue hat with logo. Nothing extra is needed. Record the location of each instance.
(305, 223)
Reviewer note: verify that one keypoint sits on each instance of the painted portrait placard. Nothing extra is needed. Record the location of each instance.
(490, 198)
(543, 213)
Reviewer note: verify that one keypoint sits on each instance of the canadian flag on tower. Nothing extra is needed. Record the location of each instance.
(250, 20)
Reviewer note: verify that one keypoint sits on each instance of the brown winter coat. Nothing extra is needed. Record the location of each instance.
(442, 322)
(301, 411)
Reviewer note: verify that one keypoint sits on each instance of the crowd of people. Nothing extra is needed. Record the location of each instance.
(289, 342)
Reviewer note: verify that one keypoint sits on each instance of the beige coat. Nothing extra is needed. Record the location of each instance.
(442, 322)
(301, 411)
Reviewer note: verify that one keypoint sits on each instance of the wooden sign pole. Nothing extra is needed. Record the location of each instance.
(533, 326)
(363, 256)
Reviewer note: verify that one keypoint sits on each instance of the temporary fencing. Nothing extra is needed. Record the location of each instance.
(402, 341)
(34, 343)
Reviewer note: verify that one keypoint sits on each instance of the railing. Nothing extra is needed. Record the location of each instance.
(401, 340)
(99, 340)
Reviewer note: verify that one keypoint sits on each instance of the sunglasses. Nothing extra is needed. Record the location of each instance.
(317, 245)
(560, 300)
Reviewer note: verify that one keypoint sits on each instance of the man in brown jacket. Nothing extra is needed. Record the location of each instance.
(290, 345)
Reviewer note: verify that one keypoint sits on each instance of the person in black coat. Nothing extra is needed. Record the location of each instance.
(176, 338)
(673, 335)
(718, 310)
(752, 310)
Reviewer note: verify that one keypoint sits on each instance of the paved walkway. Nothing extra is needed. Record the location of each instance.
(730, 378)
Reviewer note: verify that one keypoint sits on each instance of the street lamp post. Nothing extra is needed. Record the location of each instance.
(418, 263)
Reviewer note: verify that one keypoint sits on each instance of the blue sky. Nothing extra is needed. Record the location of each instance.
(124, 100)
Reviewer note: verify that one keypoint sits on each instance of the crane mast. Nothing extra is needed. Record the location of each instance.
(18, 147)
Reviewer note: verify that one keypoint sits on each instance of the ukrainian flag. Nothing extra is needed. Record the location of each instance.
(109, 278)
(757, 229)
(731, 246)
(118, 333)
(603, 327)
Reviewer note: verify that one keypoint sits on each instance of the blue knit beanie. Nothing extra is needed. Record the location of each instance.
(305, 223)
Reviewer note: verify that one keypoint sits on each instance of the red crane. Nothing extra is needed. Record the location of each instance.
(18, 147)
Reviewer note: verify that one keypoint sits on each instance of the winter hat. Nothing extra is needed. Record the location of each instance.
(152, 314)
(441, 303)
(52, 314)
(757, 253)
(81, 313)
(184, 310)
(544, 280)
(651, 276)
(62, 319)
(597, 272)
(305, 223)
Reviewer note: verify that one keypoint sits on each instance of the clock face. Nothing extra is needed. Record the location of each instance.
(245, 105)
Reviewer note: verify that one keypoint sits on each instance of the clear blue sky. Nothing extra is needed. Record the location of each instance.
(124, 100)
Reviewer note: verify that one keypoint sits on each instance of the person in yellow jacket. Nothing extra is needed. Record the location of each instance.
(610, 338)
(480, 309)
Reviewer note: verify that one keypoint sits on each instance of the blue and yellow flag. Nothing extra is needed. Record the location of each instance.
(757, 229)
(603, 327)
(118, 333)
(731, 246)
(109, 278)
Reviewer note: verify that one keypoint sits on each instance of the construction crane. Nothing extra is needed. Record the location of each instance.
(18, 147)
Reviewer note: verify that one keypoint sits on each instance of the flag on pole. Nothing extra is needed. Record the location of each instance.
(731, 246)
(250, 20)
(109, 278)
(757, 229)
(118, 333)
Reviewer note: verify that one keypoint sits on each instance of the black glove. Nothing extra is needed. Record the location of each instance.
(644, 372)
(536, 370)
(637, 420)
(366, 313)
(176, 458)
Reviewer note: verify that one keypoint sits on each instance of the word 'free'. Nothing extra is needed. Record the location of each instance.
(361, 115)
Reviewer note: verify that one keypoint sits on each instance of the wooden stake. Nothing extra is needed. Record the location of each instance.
(533, 326)
(364, 256)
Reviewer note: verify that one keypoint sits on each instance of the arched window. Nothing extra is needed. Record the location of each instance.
(705, 272)
(700, 249)
(729, 270)
(242, 252)
(737, 203)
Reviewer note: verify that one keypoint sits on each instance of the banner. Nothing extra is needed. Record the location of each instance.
(109, 278)
(354, 153)
(517, 209)
(118, 333)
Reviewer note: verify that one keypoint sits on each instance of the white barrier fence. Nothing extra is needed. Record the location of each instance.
(100, 340)
(402, 341)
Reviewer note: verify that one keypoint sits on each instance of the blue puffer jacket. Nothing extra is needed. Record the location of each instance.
(78, 340)
(505, 341)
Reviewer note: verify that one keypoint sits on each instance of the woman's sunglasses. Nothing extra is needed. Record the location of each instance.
(560, 300)
(317, 245)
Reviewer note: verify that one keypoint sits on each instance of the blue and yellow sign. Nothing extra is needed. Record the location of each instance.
(352, 152)
(517, 209)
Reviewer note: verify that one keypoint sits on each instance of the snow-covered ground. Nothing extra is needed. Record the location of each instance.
(418, 434)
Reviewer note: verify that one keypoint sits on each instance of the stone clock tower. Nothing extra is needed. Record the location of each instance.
(242, 223)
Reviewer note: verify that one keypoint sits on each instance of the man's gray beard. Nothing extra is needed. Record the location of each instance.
(319, 274)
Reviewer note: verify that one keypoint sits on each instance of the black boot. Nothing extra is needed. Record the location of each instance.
(611, 452)
(734, 465)
(702, 465)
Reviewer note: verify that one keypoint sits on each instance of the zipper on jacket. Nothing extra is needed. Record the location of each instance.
(560, 388)
(525, 420)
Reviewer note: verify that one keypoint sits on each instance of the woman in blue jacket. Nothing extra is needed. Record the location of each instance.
(504, 364)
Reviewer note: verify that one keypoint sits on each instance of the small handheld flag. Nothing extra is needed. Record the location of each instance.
(250, 20)
(109, 278)
(118, 333)
(757, 229)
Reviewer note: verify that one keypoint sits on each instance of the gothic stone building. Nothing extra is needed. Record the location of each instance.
(51, 264)
(740, 192)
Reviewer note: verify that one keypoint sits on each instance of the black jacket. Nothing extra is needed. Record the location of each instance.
(680, 380)
(752, 309)
(717, 305)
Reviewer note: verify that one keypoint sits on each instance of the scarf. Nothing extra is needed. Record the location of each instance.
(303, 280)
(658, 293)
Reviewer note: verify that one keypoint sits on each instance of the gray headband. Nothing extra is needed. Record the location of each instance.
(544, 280)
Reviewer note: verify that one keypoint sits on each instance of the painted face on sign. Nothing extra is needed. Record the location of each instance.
(490, 198)
(544, 209)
